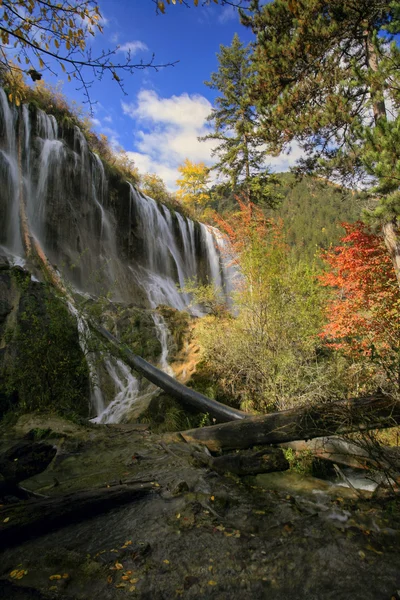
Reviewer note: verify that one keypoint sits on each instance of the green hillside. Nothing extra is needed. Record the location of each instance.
(312, 211)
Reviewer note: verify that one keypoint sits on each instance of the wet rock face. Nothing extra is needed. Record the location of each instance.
(41, 363)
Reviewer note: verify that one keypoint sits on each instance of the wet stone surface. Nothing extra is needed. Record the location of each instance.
(202, 535)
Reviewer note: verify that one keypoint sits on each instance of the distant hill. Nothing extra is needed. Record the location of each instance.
(312, 210)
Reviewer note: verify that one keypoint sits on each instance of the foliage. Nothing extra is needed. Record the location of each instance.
(327, 75)
(241, 157)
(152, 185)
(44, 36)
(193, 185)
(266, 355)
(363, 313)
(209, 296)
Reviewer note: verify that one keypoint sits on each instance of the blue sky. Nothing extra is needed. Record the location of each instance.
(164, 112)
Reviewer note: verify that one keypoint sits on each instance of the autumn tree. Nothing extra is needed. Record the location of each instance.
(265, 355)
(193, 185)
(40, 36)
(152, 185)
(327, 75)
(239, 150)
(363, 311)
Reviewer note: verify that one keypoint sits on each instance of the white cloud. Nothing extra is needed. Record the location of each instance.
(228, 13)
(133, 47)
(166, 132)
(185, 111)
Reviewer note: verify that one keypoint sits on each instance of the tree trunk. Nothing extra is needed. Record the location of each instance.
(21, 521)
(391, 236)
(303, 423)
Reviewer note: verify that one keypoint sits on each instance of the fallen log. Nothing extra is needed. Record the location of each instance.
(348, 453)
(21, 521)
(246, 462)
(303, 423)
(188, 397)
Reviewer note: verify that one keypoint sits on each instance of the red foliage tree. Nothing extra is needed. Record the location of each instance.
(363, 315)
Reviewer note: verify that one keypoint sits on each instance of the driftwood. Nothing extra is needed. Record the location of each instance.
(303, 423)
(19, 522)
(246, 462)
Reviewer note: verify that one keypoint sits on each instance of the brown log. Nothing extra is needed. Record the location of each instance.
(247, 462)
(303, 423)
(24, 520)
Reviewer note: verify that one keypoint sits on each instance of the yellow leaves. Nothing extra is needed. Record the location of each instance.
(166, 561)
(161, 7)
(41, 63)
(118, 566)
(10, 97)
(115, 76)
(55, 577)
(212, 582)
(18, 573)
(56, 43)
(212, 498)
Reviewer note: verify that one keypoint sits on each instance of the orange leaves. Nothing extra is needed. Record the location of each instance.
(363, 313)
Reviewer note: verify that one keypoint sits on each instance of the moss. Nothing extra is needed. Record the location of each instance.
(178, 323)
(166, 414)
(43, 367)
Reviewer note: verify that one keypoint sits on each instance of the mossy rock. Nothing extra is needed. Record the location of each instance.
(42, 365)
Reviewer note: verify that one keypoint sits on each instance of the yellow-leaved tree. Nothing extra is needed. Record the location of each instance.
(193, 185)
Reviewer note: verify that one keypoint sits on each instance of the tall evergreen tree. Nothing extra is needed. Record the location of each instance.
(327, 75)
(241, 157)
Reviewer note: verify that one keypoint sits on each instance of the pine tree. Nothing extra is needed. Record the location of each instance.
(241, 157)
(327, 72)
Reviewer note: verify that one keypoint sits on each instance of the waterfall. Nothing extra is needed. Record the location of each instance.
(97, 399)
(162, 335)
(127, 392)
(104, 236)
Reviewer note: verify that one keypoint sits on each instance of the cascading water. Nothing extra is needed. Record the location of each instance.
(102, 233)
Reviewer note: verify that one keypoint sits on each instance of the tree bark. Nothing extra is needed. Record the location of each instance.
(21, 521)
(303, 423)
(391, 236)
